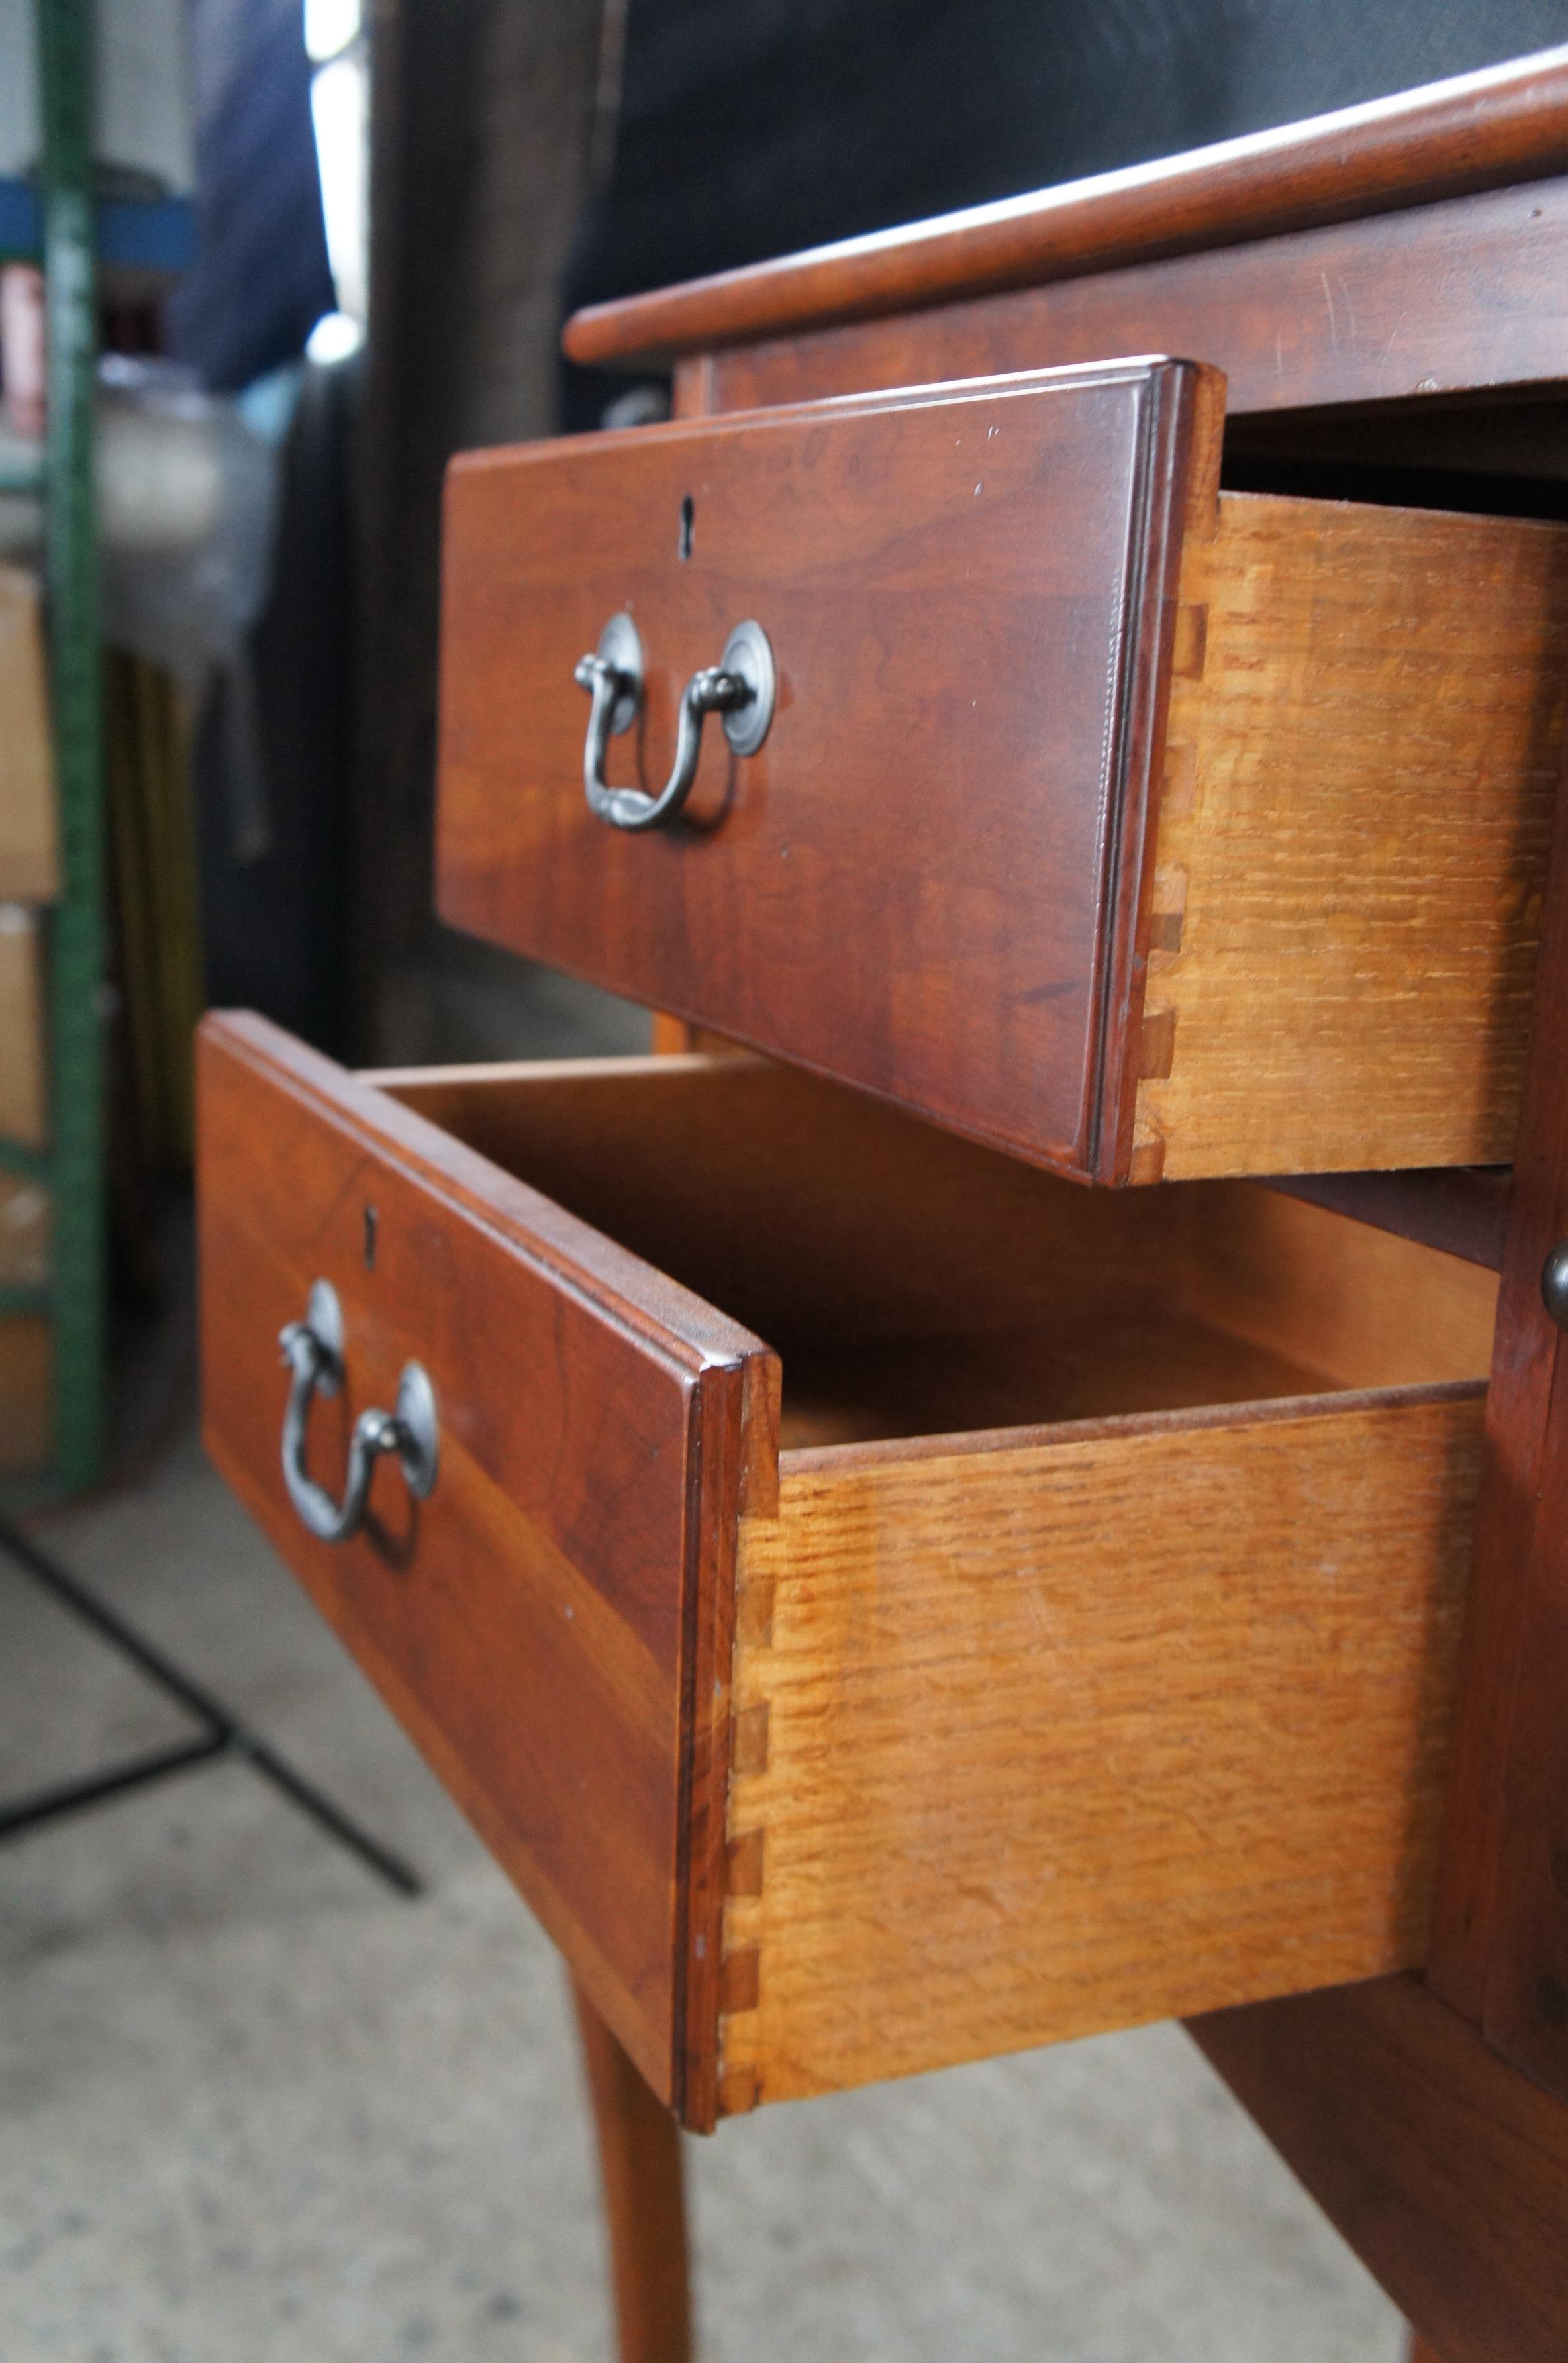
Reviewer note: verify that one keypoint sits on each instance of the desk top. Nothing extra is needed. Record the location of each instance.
(1503, 125)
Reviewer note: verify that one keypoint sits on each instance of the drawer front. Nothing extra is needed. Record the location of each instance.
(541, 1621)
(927, 879)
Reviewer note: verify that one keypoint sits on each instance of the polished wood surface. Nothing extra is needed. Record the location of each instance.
(644, 2200)
(1360, 771)
(1442, 301)
(1527, 1981)
(1484, 1884)
(1444, 2168)
(542, 1624)
(930, 879)
(1506, 123)
(1500, 1936)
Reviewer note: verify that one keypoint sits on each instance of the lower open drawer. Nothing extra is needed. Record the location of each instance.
(1051, 1625)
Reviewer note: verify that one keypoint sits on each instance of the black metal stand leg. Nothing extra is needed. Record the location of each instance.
(223, 1734)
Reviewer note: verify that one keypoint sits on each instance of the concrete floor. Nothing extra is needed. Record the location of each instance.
(256, 2109)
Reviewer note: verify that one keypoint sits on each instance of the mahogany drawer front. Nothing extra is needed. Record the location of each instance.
(1074, 1646)
(1133, 827)
(536, 1622)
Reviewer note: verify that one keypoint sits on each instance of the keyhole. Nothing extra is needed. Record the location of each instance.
(370, 1239)
(688, 515)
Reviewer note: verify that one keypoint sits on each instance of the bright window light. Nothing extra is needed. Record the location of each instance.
(329, 26)
(333, 338)
(339, 107)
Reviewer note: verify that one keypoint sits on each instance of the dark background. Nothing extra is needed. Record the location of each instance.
(753, 128)
(534, 155)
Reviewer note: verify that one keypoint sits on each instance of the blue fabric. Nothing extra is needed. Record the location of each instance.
(262, 280)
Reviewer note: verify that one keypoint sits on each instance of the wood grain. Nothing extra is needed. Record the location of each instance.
(1443, 2167)
(542, 1623)
(1360, 1306)
(1353, 852)
(1526, 2011)
(644, 2201)
(1089, 1730)
(929, 880)
(1507, 123)
(1401, 307)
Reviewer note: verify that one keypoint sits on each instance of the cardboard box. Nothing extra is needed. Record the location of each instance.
(24, 1233)
(23, 1087)
(29, 851)
(26, 1412)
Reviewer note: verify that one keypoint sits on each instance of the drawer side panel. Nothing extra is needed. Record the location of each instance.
(1360, 782)
(1040, 1741)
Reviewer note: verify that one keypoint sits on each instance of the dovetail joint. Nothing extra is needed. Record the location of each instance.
(1157, 1044)
(1190, 643)
(743, 1866)
(748, 1739)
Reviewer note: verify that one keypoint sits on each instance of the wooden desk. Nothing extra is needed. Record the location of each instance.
(1384, 292)
(672, 1361)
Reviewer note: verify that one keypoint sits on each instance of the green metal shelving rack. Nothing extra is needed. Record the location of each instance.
(72, 1169)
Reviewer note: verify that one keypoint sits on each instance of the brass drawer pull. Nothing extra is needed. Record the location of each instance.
(742, 686)
(313, 1351)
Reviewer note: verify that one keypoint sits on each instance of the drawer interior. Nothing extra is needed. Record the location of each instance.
(915, 1283)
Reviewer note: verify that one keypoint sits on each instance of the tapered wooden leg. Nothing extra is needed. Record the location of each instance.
(644, 2204)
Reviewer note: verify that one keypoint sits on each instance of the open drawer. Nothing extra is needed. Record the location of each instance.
(1133, 827)
(1051, 1625)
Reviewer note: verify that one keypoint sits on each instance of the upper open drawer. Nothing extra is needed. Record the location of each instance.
(1133, 827)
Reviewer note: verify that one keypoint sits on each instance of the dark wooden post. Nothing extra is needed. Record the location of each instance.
(645, 2202)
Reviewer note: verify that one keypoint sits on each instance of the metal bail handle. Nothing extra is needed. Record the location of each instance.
(1554, 1283)
(313, 1351)
(742, 687)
